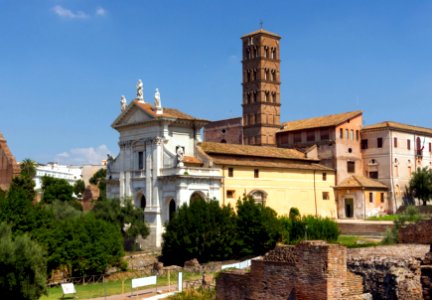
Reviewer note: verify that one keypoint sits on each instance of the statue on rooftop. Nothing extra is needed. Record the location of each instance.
(157, 99)
(123, 103)
(140, 90)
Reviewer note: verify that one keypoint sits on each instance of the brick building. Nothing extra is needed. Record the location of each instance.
(8, 165)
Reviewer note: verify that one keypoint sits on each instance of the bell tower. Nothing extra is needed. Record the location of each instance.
(261, 88)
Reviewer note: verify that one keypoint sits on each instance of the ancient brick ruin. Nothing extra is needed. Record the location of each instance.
(8, 166)
(311, 270)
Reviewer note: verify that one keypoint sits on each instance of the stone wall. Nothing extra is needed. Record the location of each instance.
(224, 131)
(419, 233)
(8, 166)
(311, 270)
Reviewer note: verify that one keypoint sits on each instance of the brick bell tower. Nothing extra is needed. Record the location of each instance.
(261, 88)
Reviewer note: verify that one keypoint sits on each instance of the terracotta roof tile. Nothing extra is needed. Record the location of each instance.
(399, 126)
(357, 181)
(267, 163)
(324, 121)
(246, 150)
(261, 31)
(192, 160)
(167, 112)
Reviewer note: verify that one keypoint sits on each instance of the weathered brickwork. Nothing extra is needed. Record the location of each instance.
(311, 270)
(8, 166)
(419, 233)
(224, 131)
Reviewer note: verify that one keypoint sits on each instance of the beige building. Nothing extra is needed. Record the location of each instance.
(392, 151)
(278, 178)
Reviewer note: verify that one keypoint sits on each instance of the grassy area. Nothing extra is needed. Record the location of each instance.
(354, 241)
(94, 290)
(199, 294)
(384, 218)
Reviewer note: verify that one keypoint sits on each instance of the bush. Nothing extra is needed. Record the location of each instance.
(203, 230)
(297, 228)
(258, 228)
(22, 267)
(410, 214)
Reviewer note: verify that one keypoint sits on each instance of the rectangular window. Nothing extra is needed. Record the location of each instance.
(347, 134)
(370, 197)
(326, 195)
(297, 137)
(324, 135)
(430, 147)
(230, 172)
(395, 142)
(341, 133)
(409, 144)
(310, 136)
(230, 194)
(256, 173)
(140, 160)
(350, 166)
(382, 197)
(324, 176)
(357, 135)
(352, 135)
(373, 175)
(364, 144)
(379, 142)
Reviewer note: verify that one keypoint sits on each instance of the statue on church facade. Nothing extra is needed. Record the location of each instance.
(140, 90)
(157, 99)
(123, 103)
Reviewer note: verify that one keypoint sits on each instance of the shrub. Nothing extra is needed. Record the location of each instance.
(22, 265)
(203, 230)
(410, 214)
(258, 228)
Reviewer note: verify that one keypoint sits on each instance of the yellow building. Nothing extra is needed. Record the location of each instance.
(278, 178)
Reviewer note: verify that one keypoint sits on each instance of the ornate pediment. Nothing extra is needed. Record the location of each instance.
(133, 114)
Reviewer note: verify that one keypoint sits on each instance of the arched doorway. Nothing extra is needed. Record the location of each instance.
(172, 209)
(196, 196)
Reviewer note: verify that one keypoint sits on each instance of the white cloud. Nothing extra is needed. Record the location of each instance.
(69, 14)
(100, 11)
(82, 156)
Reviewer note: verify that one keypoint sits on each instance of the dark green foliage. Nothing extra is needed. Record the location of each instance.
(112, 211)
(258, 228)
(86, 245)
(294, 213)
(99, 179)
(421, 184)
(79, 188)
(24, 183)
(56, 189)
(203, 230)
(22, 267)
(297, 228)
(28, 168)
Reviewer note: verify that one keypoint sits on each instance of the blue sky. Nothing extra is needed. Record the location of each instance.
(64, 64)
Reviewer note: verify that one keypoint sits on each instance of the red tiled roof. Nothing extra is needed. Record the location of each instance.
(357, 181)
(399, 126)
(324, 121)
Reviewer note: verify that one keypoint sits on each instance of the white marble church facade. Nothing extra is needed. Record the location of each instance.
(159, 166)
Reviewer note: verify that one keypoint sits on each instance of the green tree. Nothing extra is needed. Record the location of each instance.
(22, 267)
(28, 168)
(56, 189)
(258, 228)
(79, 188)
(203, 230)
(99, 179)
(128, 218)
(421, 184)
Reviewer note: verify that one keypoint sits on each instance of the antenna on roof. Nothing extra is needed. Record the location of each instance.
(261, 23)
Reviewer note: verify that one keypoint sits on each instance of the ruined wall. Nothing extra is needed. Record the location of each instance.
(311, 270)
(418, 233)
(8, 166)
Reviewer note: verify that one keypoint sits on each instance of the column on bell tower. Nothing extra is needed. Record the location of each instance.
(261, 88)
